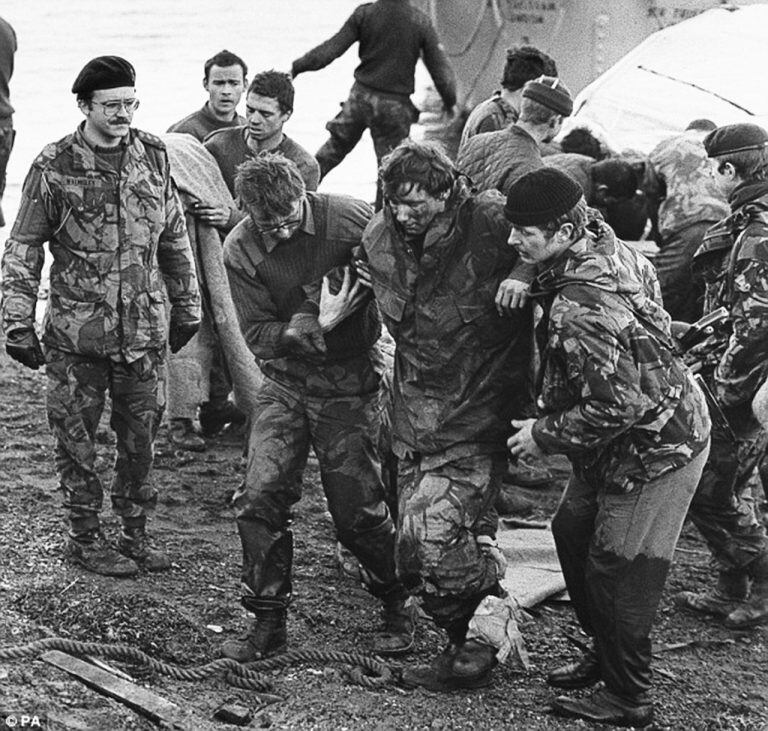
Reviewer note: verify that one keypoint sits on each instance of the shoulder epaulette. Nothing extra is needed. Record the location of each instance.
(149, 139)
(52, 150)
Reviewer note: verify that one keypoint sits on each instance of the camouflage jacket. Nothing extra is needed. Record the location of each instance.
(461, 370)
(734, 260)
(113, 239)
(497, 159)
(488, 116)
(679, 187)
(614, 396)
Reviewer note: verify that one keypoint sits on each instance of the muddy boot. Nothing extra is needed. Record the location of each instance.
(215, 415)
(267, 635)
(183, 436)
(135, 544)
(94, 553)
(753, 612)
(472, 665)
(436, 675)
(605, 707)
(580, 674)
(396, 636)
(729, 594)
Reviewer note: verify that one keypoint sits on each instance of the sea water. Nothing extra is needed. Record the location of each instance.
(168, 41)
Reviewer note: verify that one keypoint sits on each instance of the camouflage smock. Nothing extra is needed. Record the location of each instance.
(461, 370)
(679, 185)
(113, 239)
(616, 399)
(734, 257)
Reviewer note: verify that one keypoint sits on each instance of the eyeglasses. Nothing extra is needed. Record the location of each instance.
(111, 108)
(274, 228)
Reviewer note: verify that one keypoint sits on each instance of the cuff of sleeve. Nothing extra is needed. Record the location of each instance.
(544, 441)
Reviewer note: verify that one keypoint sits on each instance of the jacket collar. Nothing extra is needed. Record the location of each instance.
(84, 156)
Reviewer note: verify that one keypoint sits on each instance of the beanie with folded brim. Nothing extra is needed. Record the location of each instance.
(541, 197)
(732, 138)
(104, 72)
(554, 96)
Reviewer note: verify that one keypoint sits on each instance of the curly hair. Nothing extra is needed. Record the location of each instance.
(417, 163)
(269, 184)
(525, 63)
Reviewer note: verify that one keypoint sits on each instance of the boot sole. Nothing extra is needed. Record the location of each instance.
(114, 574)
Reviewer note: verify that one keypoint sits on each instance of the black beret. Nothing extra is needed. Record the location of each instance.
(541, 196)
(735, 138)
(551, 93)
(104, 72)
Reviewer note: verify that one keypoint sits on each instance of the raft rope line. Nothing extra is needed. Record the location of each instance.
(365, 670)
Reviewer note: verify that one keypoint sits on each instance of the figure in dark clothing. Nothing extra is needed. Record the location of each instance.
(7, 49)
(380, 97)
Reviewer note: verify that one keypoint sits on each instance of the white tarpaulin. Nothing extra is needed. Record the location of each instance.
(714, 66)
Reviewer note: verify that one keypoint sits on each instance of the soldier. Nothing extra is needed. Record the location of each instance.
(683, 202)
(320, 387)
(103, 199)
(436, 257)
(616, 399)
(224, 80)
(392, 36)
(497, 159)
(7, 50)
(734, 261)
(524, 63)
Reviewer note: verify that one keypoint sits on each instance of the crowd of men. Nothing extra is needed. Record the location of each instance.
(477, 270)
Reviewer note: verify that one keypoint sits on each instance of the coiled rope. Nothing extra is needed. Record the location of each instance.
(365, 670)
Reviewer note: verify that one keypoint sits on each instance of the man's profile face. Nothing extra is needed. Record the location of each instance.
(280, 228)
(225, 86)
(414, 209)
(533, 244)
(265, 118)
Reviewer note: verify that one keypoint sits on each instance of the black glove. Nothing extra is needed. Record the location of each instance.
(303, 336)
(22, 345)
(182, 329)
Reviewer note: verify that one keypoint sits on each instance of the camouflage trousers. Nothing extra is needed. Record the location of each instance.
(387, 119)
(615, 551)
(288, 421)
(77, 388)
(6, 145)
(437, 553)
(723, 508)
(682, 289)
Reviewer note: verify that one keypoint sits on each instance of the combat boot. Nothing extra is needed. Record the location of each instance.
(729, 594)
(580, 674)
(215, 415)
(604, 707)
(436, 675)
(94, 553)
(182, 435)
(753, 612)
(135, 544)
(472, 664)
(266, 636)
(396, 636)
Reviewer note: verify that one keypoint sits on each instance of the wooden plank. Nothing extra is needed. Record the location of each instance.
(148, 704)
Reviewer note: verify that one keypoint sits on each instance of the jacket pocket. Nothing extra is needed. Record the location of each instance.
(391, 305)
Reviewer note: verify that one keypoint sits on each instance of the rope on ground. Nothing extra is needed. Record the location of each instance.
(366, 670)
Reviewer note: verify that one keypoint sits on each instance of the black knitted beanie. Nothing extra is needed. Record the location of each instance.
(541, 196)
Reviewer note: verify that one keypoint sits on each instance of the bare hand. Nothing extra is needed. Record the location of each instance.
(212, 215)
(522, 444)
(363, 270)
(337, 307)
(511, 295)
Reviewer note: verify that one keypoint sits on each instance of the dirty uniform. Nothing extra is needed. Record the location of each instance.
(384, 80)
(621, 405)
(684, 202)
(497, 159)
(7, 50)
(489, 116)
(327, 405)
(117, 238)
(460, 376)
(734, 263)
(201, 123)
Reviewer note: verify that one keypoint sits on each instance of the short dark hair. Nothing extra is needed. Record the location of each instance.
(582, 142)
(525, 63)
(619, 177)
(750, 165)
(270, 183)
(224, 58)
(417, 163)
(275, 85)
(704, 125)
